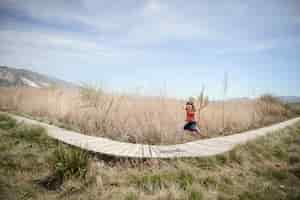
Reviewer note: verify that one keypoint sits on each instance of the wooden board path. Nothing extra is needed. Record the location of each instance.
(200, 148)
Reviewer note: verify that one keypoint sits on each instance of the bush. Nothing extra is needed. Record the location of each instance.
(69, 161)
(269, 98)
(7, 122)
(268, 105)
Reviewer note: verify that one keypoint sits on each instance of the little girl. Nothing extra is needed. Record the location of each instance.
(191, 124)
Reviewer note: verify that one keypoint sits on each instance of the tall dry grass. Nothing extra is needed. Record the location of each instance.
(152, 120)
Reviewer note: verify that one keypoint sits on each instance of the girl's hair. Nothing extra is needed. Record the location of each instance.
(192, 104)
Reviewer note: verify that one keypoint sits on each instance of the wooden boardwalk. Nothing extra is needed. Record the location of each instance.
(200, 148)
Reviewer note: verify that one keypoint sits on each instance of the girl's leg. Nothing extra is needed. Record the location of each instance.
(187, 126)
(196, 128)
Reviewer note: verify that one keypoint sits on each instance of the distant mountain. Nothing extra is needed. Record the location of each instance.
(12, 77)
(290, 99)
(239, 99)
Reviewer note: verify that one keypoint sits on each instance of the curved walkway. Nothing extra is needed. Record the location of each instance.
(200, 148)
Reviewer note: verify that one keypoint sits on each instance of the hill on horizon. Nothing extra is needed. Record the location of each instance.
(16, 77)
(13, 77)
(290, 99)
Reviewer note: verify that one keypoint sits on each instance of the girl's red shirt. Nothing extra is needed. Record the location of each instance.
(190, 116)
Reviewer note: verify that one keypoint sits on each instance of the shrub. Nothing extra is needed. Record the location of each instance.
(69, 161)
(269, 98)
(7, 122)
(268, 105)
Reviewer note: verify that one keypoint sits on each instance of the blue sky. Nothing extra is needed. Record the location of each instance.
(153, 47)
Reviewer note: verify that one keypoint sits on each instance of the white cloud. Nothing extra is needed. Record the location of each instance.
(124, 30)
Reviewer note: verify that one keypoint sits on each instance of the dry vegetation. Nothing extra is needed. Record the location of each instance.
(33, 166)
(137, 119)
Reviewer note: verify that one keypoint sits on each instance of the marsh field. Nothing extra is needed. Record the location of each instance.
(34, 166)
(140, 119)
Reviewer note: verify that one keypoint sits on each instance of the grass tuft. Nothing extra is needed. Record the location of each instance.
(69, 161)
(7, 122)
(195, 195)
(184, 179)
(131, 196)
(32, 134)
(148, 183)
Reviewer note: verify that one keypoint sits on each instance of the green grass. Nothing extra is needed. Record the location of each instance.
(33, 166)
(295, 107)
(28, 156)
(7, 122)
(68, 162)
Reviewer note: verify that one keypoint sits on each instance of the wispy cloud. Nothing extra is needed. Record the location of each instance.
(154, 23)
(139, 34)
